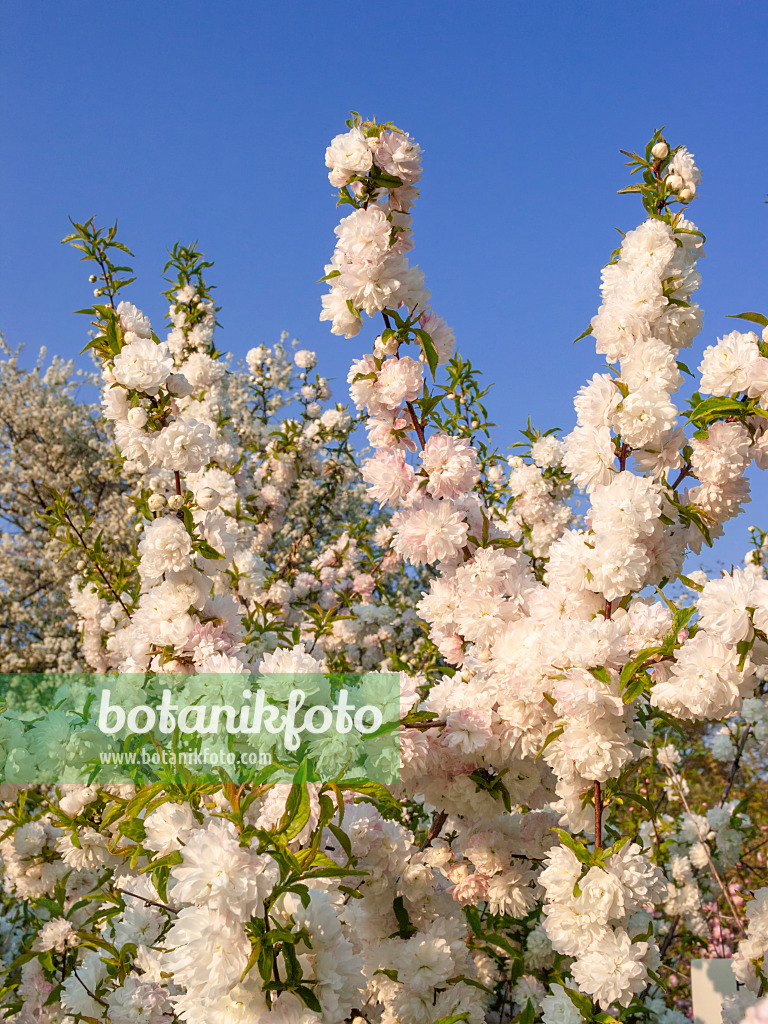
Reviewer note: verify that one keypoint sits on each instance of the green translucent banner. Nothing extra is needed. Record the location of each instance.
(155, 727)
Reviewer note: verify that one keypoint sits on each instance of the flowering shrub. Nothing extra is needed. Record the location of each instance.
(550, 852)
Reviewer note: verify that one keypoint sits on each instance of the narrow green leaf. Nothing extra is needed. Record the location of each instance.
(583, 334)
(756, 318)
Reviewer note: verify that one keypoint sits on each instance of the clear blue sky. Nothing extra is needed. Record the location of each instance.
(209, 120)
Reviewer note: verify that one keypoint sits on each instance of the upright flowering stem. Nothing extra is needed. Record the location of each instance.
(598, 797)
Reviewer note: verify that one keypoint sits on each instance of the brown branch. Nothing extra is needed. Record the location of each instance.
(683, 474)
(150, 903)
(735, 766)
(94, 997)
(438, 820)
(702, 840)
(94, 561)
(416, 424)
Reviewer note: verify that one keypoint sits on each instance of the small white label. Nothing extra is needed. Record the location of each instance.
(711, 982)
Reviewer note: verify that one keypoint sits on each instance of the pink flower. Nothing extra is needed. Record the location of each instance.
(434, 532)
(451, 465)
(390, 479)
(400, 380)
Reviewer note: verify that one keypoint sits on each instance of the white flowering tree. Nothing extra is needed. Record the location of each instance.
(548, 853)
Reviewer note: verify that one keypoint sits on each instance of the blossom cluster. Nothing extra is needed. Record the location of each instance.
(542, 656)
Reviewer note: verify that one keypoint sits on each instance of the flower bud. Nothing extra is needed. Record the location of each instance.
(207, 498)
(660, 150)
(178, 385)
(685, 195)
(175, 502)
(383, 348)
(137, 417)
(92, 278)
(156, 502)
(674, 182)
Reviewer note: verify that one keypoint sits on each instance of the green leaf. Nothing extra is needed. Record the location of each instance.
(207, 551)
(253, 958)
(756, 318)
(502, 943)
(142, 798)
(385, 180)
(528, 1015)
(550, 739)
(51, 906)
(581, 1002)
(405, 928)
(634, 666)
(430, 352)
(574, 846)
(342, 838)
(713, 409)
(638, 685)
(690, 583)
(583, 334)
(309, 998)
(640, 800)
(473, 917)
(189, 522)
(680, 620)
(133, 828)
(297, 809)
(377, 794)
(601, 674)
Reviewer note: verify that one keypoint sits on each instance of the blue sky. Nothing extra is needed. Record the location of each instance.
(209, 121)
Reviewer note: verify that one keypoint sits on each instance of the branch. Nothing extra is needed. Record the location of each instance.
(438, 820)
